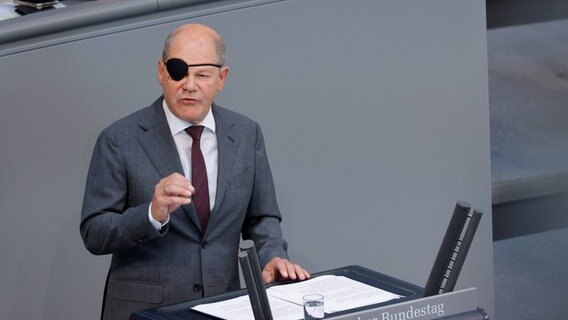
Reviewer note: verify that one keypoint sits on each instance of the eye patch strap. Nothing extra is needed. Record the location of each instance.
(178, 69)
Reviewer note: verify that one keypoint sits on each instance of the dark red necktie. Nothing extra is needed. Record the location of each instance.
(199, 177)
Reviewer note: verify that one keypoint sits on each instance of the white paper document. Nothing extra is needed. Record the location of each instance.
(340, 293)
(240, 309)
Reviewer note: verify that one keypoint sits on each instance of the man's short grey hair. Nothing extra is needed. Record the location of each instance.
(219, 47)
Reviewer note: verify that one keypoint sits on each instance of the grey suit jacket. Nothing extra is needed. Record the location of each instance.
(177, 263)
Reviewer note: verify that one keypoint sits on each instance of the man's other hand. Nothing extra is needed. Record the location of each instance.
(282, 269)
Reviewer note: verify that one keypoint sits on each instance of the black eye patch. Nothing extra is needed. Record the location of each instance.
(178, 69)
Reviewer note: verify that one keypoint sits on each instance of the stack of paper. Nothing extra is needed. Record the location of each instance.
(340, 293)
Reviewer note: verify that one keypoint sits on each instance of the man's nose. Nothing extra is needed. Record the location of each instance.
(190, 84)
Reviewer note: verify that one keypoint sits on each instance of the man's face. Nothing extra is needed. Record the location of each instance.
(191, 97)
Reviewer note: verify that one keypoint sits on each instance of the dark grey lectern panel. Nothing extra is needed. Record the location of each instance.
(375, 116)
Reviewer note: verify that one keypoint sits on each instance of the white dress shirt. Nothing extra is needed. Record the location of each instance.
(183, 141)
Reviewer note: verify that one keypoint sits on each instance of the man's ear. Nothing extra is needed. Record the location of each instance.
(161, 72)
(223, 74)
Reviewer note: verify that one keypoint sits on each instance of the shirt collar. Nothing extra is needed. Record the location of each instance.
(177, 125)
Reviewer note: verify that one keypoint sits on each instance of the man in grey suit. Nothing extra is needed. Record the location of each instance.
(141, 203)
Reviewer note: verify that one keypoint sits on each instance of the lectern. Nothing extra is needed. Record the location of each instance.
(459, 305)
(436, 301)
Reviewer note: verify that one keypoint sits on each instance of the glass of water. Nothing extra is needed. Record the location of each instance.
(313, 306)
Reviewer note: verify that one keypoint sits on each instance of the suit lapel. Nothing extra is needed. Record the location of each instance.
(227, 143)
(157, 142)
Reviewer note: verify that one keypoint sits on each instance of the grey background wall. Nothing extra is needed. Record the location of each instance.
(375, 115)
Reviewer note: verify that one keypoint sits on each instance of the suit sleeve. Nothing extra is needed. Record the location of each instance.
(108, 222)
(262, 223)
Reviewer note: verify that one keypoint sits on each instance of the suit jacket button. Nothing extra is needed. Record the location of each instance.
(204, 244)
(196, 287)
